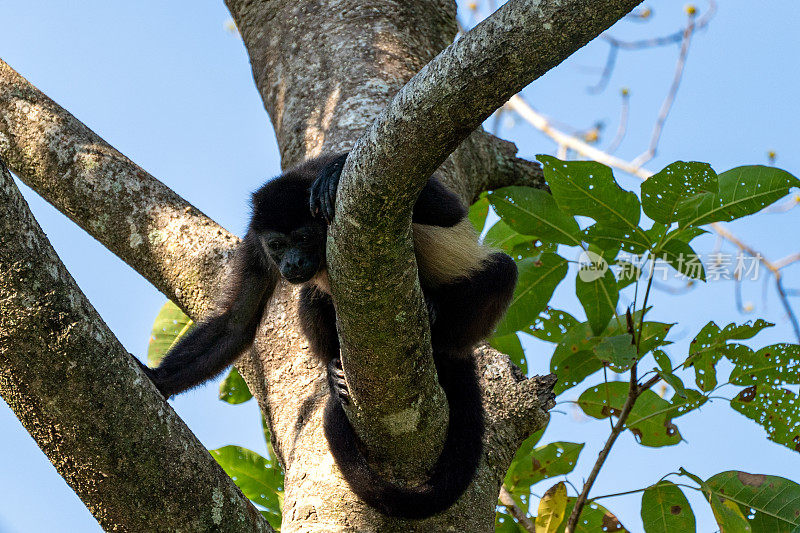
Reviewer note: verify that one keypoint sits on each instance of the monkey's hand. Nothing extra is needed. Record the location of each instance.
(323, 190)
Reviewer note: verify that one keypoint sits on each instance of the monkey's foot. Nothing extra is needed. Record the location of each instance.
(336, 381)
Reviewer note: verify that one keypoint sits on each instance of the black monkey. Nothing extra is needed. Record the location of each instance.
(467, 289)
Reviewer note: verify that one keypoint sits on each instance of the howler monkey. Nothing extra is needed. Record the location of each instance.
(467, 288)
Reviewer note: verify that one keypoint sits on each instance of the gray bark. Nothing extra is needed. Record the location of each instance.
(106, 429)
(325, 71)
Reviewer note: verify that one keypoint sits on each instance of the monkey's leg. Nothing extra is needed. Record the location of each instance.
(468, 310)
(318, 323)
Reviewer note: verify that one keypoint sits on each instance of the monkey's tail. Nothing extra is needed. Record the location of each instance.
(454, 469)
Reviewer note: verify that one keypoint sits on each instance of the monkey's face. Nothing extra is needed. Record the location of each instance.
(299, 254)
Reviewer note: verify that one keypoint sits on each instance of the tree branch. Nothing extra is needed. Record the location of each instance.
(127, 455)
(173, 245)
(380, 308)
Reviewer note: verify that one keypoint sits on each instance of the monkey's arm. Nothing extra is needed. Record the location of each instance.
(436, 205)
(216, 342)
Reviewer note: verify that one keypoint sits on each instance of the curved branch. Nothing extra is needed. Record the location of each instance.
(379, 303)
(79, 394)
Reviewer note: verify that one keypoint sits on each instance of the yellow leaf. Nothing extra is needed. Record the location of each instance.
(551, 508)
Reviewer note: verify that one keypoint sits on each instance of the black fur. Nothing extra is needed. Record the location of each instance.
(288, 230)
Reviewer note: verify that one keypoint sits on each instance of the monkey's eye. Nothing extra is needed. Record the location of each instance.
(276, 244)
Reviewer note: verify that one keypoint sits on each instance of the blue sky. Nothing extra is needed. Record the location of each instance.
(167, 85)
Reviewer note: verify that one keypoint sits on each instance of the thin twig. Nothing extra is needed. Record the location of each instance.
(601, 458)
(623, 122)
(666, 106)
(538, 121)
(521, 517)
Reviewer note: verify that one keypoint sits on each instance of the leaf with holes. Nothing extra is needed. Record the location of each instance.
(505, 523)
(550, 460)
(573, 359)
(710, 344)
(610, 237)
(551, 509)
(587, 188)
(650, 419)
(778, 364)
(728, 515)
(260, 479)
(537, 281)
(169, 326)
(512, 347)
(534, 212)
(742, 191)
(598, 296)
(776, 409)
(665, 509)
(663, 193)
(769, 503)
(617, 351)
(552, 325)
(233, 389)
(594, 517)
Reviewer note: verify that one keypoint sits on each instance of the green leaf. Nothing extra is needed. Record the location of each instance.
(537, 281)
(682, 258)
(687, 234)
(534, 212)
(776, 409)
(598, 296)
(504, 237)
(654, 335)
(777, 364)
(666, 510)
(681, 404)
(478, 213)
(573, 369)
(742, 191)
(505, 523)
(169, 326)
(260, 479)
(628, 274)
(594, 517)
(651, 417)
(748, 330)
(511, 346)
(233, 389)
(728, 515)
(673, 381)
(710, 344)
(610, 237)
(663, 361)
(551, 509)
(769, 503)
(550, 460)
(552, 325)
(663, 193)
(588, 188)
(617, 351)
(573, 359)
(520, 470)
(704, 354)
